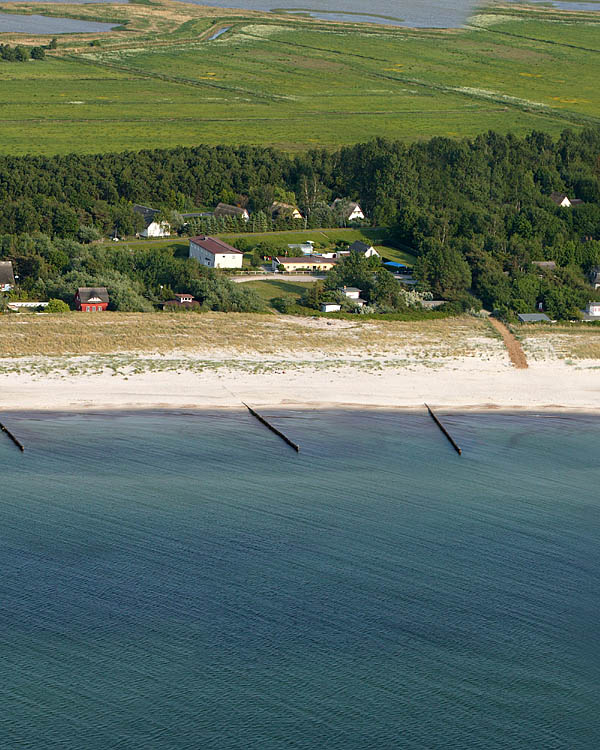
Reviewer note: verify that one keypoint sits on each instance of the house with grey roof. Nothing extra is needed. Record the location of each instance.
(363, 249)
(153, 228)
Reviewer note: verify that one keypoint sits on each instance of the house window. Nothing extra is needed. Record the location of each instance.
(87, 308)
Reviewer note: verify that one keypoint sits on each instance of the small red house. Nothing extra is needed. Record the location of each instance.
(91, 299)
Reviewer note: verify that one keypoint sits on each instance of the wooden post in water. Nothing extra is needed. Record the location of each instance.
(445, 431)
(291, 443)
(18, 443)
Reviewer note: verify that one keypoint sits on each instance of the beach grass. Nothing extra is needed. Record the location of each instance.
(216, 335)
(566, 341)
(295, 83)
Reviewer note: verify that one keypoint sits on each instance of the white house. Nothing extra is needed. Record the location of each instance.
(363, 249)
(7, 277)
(330, 307)
(592, 311)
(562, 200)
(215, 253)
(351, 292)
(352, 211)
(153, 228)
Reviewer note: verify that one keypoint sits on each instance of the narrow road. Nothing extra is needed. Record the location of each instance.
(515, 350)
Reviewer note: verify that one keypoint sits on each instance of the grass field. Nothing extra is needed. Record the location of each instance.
(323, 239)
(269, 289)
(295, 83)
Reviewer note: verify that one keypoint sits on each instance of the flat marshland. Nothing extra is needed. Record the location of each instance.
(157, 81)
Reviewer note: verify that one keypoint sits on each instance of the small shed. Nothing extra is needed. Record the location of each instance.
(330, 307)
(91, 298)
(533, 318)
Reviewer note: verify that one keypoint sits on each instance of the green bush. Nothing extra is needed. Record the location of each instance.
(57, 306)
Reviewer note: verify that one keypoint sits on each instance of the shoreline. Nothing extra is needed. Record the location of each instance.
(459, 386)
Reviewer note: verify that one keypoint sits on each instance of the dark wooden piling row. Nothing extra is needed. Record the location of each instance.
(17, 442)
(445, 431)
(291, 443)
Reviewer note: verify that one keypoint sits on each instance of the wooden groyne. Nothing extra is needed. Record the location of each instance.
(444, 430)
(17, 442)
(254, 413)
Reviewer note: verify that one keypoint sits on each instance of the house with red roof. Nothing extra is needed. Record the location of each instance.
(215, 253)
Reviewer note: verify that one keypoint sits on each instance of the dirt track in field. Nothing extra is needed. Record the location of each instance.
(514, 348)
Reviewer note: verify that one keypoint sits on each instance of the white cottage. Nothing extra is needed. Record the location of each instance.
(330, 307)
(351, 210)
(153, 228)
(363, 249)
(215, 253)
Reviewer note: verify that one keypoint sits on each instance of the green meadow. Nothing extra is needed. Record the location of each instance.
(295, 83)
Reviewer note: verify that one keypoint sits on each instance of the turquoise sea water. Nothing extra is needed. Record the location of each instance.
(188, 581)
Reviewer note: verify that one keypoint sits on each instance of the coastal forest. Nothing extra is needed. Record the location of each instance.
(477, 214)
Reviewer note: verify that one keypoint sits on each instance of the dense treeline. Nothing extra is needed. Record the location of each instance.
(476, 212)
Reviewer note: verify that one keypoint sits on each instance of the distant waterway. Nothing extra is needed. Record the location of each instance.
(35, 24)
(184, 581)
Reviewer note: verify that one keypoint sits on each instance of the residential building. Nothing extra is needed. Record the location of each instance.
(363, 249)
(225, 209)
(181, 301)
(7, 276)
(549, 265)
(215, 253)
(562, 200)
(592, 311)
(91, 299)
(285, 210)
(305, 263)
(152, 227)
(351, 211)
(595, 277)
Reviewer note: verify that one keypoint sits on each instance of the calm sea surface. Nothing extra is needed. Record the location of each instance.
(178, 581)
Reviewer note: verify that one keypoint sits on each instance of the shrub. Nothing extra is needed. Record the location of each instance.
(57, 306)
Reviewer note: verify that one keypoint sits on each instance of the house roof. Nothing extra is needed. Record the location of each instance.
(183, 294)
(92, 294)
(544, 263)
(359, 247)
(533, 317)
(6, 272)
(558, 198)
(308, 259)
(225, 209)
(146, 213)
(350, 289)
(214, 246)
(277, 207)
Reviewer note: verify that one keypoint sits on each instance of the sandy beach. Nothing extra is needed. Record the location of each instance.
(461, 384)
(222, 361)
